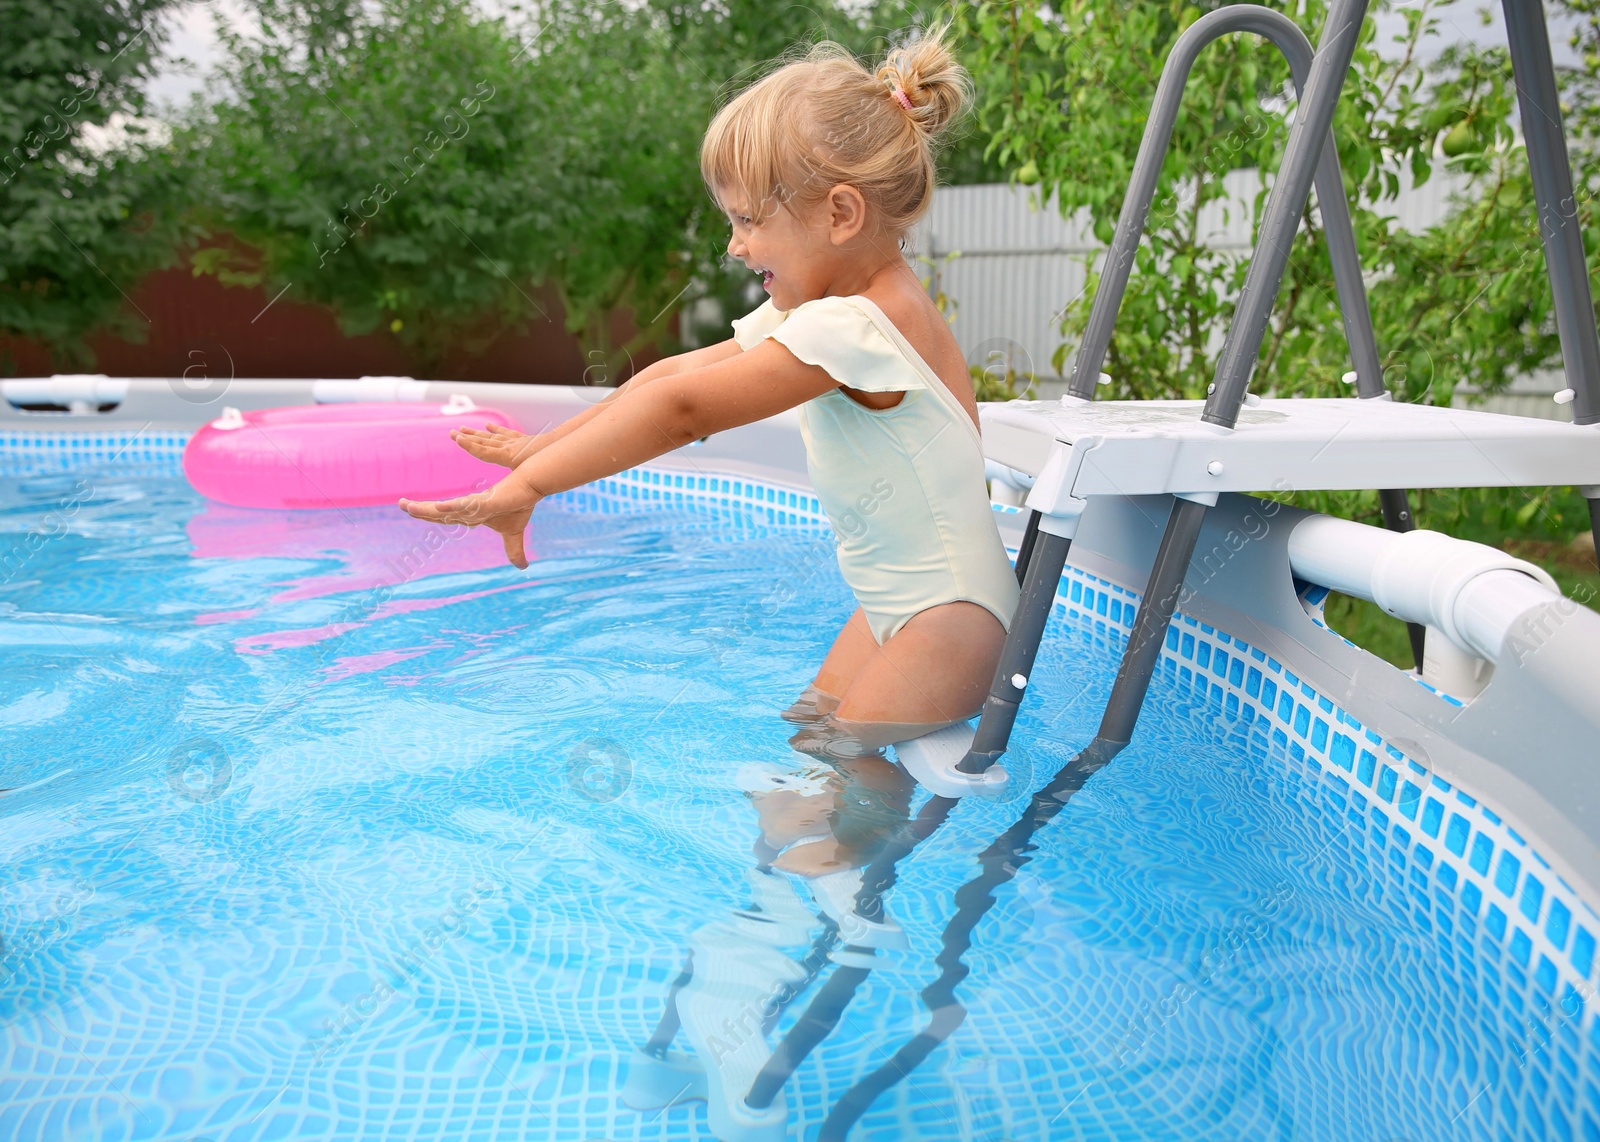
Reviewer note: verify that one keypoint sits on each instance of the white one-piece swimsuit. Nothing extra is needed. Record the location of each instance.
(904, 486)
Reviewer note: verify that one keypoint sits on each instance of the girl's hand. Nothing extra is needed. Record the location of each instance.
(506, 508)
(496, 443)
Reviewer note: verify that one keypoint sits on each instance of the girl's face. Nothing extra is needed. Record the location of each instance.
(799, 257)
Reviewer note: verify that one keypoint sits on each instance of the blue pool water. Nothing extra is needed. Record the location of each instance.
(326, 826)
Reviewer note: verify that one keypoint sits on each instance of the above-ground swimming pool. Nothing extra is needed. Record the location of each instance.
(330, 825)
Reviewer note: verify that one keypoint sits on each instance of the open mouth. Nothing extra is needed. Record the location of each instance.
(766, 278)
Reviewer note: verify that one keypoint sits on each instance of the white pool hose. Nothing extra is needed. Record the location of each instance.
(1469, 592)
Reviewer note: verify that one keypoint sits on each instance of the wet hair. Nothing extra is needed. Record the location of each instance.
(824, 119)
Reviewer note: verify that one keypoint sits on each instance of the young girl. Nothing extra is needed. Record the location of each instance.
(822, 167)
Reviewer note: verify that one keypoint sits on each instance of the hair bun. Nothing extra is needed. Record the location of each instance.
(825, 119)
(937, 87)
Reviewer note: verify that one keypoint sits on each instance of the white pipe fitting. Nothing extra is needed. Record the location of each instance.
(1006, 484)
(1488, 605)
(1004, 474)
(1469, 592)
(1446, 667)
(369, 389)
(80, 392)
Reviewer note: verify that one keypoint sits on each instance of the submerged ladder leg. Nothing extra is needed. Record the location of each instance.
(1528, 37)
(1002, 860)
(825, 1010)
(999, 864)
(1007, 855)
(667, 1029)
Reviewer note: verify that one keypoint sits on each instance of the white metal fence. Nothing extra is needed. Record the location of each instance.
(1020, 265)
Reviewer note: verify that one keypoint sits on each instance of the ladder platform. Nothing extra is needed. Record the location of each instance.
(1153, 447)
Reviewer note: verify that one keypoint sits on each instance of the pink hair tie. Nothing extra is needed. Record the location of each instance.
(901, 98)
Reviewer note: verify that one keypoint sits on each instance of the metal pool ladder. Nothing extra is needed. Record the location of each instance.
(1193, 451)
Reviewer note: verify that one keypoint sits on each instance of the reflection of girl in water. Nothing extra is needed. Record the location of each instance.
(828, 818)
(819, 825)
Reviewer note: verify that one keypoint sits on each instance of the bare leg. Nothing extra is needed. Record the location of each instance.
(813, 705)
(936, 668)
(934, 671)
(852, 649)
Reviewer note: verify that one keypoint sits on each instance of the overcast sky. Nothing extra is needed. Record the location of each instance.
(192, 48)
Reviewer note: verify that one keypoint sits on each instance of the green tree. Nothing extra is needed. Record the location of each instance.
(1064, 91)
(1465, 302)
(80, 221)
(422, 167)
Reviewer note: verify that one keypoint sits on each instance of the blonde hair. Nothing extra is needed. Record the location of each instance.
(824, 119)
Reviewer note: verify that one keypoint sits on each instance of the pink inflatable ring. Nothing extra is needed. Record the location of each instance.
(339, 455)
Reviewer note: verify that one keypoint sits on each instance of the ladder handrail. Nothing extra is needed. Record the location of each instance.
(1543, 134)
(1355, 311)
(1301, 157)
(1286, 36)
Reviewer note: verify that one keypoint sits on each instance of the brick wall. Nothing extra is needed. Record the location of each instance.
(200, 325)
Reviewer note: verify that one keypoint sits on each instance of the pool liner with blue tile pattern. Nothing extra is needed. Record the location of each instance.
(1447, 859)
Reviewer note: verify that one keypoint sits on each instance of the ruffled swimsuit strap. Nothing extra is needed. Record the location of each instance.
(930, 378)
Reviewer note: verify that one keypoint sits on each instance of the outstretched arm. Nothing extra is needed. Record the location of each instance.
(630, 429)
(672, 411)
(499, 445)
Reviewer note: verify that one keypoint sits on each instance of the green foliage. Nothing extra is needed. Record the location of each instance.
(1063, 96)
(412, 164)
(1485, 515)
(1466, 301)
(997, 380)
(1064, 91)
(79, 222)
(420, 167)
